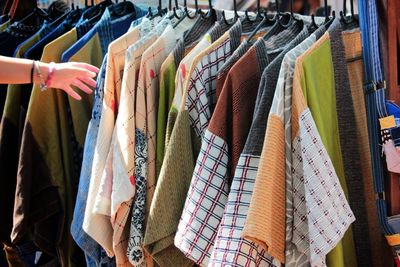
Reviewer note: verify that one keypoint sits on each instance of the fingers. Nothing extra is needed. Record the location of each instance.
(72, 93)
(88, 81)
(86, 66)
(82, 86)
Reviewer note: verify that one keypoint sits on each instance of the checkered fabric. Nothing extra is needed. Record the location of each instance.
(199, 222)
(201, 100)
(230, 248)
(194, 236)
(328, 213)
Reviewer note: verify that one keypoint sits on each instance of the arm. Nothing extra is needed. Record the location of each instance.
(18, 71)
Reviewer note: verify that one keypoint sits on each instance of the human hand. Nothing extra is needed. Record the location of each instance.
(80, 75)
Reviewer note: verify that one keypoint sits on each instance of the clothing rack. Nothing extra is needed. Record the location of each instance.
(287, 22)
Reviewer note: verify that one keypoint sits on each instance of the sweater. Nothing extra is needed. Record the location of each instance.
(353, 52)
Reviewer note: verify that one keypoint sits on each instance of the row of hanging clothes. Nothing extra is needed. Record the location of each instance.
(212, 138)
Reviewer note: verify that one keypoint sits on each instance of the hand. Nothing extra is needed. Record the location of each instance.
(80, 75)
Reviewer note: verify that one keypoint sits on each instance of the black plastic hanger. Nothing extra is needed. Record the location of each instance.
(279, 15)
(258, 15)
(236, 17)
(198, 10)
(326, 11)
(160, 11)
(36, 17)
(313, 26)
(211, 14)
(264, 23)
(172, 10)
(187, 10)
(293, 17)
(330, 20)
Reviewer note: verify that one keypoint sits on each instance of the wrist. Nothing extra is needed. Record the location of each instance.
(41, 72)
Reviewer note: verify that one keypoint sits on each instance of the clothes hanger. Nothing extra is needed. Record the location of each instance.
(343, 13)
(279, 16)
(353, 17)
(198, 10)
(313, 26)
(160, 11)
(211, 14)
(172, 10)
(236, 14)
(264, 23)
(292, 16)
(326, 11)
(187, 10)
(246, 13)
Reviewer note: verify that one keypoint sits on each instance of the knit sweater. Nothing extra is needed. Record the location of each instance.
(353, 52)
(350, 149)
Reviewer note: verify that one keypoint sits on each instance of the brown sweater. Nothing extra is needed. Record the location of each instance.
(234, 111)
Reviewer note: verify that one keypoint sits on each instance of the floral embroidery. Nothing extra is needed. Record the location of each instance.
(135, 248)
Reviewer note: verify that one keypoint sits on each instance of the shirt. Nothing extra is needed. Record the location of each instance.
(199, 101)
(52, 123)
(309, 172)
(230, 248)
(110, 21)
(103, 234)
(145, 123)
(327, 123)
(120, 211)
(172, 188)
(15, 106)
(94, 253)
(167, 80)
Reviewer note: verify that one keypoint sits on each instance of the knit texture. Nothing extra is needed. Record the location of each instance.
(163, 250)
(350, 149)
(175, 173)
(353, 52)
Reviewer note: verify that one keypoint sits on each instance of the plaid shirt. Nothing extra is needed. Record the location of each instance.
(193, 236)
(217, 160)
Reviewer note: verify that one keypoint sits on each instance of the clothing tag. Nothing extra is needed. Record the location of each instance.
(387, 122)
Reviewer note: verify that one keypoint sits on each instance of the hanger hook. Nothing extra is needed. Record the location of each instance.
(187, 10)
(326, 10)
